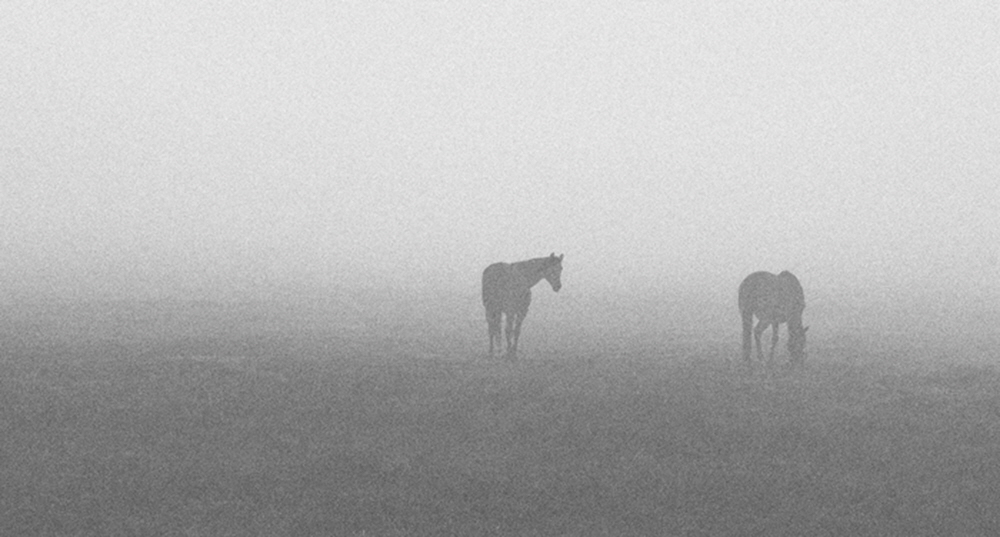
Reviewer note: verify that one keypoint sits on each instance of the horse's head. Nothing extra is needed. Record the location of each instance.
(797, 342)
(553, 271)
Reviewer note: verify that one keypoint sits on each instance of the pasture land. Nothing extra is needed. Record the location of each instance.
(204, 429)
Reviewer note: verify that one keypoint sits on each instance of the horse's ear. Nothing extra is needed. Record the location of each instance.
(552, 255)
(560, 257)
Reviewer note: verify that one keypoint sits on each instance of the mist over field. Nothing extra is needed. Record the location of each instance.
(449, 323)
(231, 152)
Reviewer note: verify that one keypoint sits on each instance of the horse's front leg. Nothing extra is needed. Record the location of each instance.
(757, 331)
(517, 332)
(774, 340)
(509, 333)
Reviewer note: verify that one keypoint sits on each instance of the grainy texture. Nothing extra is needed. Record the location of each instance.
(313, 436)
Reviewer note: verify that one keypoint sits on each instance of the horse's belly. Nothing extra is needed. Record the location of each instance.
(516, 302)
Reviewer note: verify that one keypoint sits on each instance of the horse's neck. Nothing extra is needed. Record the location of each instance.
(795, 322)
(531, 271)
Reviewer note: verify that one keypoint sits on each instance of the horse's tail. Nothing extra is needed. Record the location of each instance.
(746, 311)
(493, 301)
(491, 289)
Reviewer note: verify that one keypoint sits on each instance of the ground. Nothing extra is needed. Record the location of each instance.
(327, 434)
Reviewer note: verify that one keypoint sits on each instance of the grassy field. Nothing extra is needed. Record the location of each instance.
(223, 432)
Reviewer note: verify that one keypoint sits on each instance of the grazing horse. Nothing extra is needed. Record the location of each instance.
(774, 300)
(507, 291)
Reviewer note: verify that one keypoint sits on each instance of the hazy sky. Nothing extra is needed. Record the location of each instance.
(173, 148)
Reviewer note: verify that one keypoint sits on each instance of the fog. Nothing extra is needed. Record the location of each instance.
(254, 151)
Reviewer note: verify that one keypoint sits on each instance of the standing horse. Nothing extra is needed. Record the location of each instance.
(774, 300)
(507, 291)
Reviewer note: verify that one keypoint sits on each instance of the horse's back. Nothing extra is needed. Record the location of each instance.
(773, 296)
